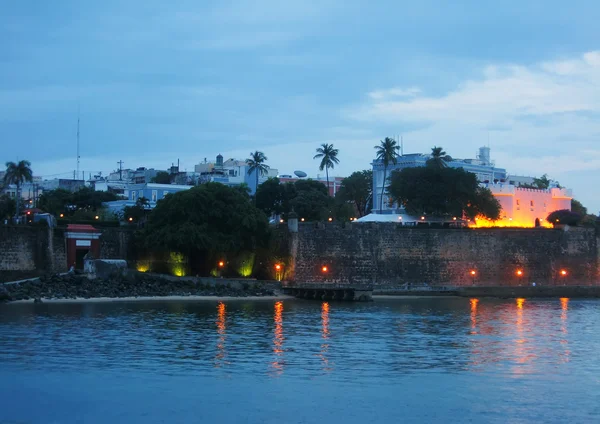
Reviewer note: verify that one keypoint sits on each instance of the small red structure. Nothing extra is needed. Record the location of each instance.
(81, 239)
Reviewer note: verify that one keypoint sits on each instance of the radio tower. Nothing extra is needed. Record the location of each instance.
(77, 142)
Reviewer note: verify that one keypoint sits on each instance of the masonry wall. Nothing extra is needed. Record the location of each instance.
(389, 256)
(33, 250)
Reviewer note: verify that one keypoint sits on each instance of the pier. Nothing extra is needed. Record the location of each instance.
(329, 291)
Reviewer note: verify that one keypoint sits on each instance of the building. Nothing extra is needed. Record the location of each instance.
(151, 191)
(334, 182)
(231, 172)
(526, 207)
(62, 183)
(485, 170)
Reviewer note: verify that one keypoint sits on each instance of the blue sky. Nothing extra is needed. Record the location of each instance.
(157, 81)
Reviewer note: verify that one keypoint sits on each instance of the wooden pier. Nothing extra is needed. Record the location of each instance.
(328, 291)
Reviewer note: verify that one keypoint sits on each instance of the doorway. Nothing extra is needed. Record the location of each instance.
(79, 255)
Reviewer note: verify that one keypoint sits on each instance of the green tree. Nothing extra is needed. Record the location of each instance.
(542, 182)
(8, 207)
(206, 223)
(439, 158)
(56, 201)
(387, 153)
(137, 212)
(256, 164)
(312, 205)
(244, 189)
(269, 197)
(578, 208)
(357, 189)
(329, 159)
(564, 217)
(161, 177)
(89, 199)
(442, 192)
(18, 173)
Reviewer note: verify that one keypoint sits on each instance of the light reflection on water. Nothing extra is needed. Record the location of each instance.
(493, 345)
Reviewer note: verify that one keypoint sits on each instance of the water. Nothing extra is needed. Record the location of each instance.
(412, 360)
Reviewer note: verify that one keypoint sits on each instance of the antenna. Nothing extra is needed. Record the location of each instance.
(78, 142)
(120, 170)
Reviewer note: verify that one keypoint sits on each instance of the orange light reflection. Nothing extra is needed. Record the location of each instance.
(325, 335)
(222, 332)
(474, 303)
(278, 338)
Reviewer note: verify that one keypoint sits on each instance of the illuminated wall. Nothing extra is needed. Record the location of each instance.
(389, 256)
(521, 206)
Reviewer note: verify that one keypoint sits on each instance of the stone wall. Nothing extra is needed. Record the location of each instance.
(390, 256)
(116, 243)
(31, 250)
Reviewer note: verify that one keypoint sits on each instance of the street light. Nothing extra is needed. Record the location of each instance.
(324, 269)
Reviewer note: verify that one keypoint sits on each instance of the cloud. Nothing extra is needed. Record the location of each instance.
(540, 118)
(394, 92)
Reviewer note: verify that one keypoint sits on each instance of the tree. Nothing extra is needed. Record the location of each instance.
(564, 217)
(357, 189)
(18, 173)
(7, 207)
(578, 208)
(449, 192)
(206, 223)
(256, 163)
(161, 177)
(137, 212)
(328, 156)
(244, 189)
(62, 201)
(439, 158)
(387, 152)
(312, 205)
(541, 183)
(269, 197)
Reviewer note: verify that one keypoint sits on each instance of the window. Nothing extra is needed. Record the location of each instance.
(518, 202)
(133, 195)
(154, 195)
(141, 194)
(531, 203)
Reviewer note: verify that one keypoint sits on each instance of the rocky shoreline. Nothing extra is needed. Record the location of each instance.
(79, 286)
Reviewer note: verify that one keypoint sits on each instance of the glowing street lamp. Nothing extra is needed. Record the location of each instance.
(473, 273)
(97, 217)
(330, 219)
(281, 221)
(324, 269)
(130, 219)
(221, 264)
(62, 215)
(422, 218)
(563, 273)
(519, 272)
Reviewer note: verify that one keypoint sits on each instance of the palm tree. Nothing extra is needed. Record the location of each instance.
(17, 173)
(328, 157)
(439, 158)
(387, 152)
(256, 163)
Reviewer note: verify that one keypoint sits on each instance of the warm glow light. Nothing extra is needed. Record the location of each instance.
(324, 268)
(400, 218)
(221, 264)
(563, 272)
(302, 219)
(422, 218)
(473, 272)
(97, 217)
(130, 219)
(330, 219)
(519, 272)
(281, 221)
(278, 267)
(453, 218)
(564, 303)
(62, 215)
(520, 302)
(474, 303)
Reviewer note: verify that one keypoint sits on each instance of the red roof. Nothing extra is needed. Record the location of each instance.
(82, 228)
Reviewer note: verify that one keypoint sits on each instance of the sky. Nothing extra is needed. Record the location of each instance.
(158, 81)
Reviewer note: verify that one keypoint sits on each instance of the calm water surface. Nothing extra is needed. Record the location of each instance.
(409, 360)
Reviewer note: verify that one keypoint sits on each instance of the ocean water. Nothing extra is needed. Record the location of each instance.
(429, 360)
